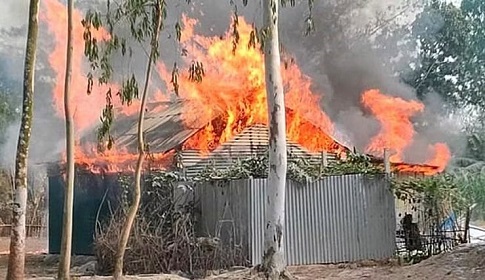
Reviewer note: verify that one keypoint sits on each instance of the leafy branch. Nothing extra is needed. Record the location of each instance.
(299, 169)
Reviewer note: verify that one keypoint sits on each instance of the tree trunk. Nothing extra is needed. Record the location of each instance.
(66, 242)
(130, 218)
(16, 261)
(274, 262)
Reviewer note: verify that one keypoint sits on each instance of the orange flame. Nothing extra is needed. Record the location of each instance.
(230, 97)
(87, 108)
(118, 159)
(397, 130)
(232, 94)
(441, 156)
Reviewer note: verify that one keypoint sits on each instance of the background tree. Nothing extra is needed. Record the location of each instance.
(452, 54)
(451, 65)
(9, 112)
(66, 242)
(16, 261)
(10, 100)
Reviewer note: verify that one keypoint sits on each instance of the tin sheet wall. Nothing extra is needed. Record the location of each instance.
(337, 219)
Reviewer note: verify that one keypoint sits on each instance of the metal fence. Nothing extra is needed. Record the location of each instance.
(336, 219)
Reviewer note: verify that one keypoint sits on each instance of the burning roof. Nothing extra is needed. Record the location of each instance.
(230, 98)
(166, 133)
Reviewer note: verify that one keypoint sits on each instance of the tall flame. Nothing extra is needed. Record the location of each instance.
(233, 88)
(397, 130)
(394, 114)
(86, 107)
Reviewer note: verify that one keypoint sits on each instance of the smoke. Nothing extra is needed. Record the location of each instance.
(361, 45)
(47, 130)
(357, 45)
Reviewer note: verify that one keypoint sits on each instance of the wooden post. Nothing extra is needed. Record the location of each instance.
(324, 158)
(387, 163)
(324, 161)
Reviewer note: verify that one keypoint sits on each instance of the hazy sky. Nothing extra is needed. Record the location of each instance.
(14, 13)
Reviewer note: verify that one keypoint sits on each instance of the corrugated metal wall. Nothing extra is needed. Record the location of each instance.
(337, 219)
(224, 211)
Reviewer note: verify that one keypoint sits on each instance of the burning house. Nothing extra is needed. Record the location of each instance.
(170, 145)
(214, 121)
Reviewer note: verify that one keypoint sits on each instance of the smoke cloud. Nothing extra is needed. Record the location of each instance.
(339, 57)
(47, 129)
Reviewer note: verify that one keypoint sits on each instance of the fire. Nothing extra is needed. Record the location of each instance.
(230, 97)
(87, 108)
(394, 114)
(232, 94)
(397, 130)
(118, 159)
(441, 156)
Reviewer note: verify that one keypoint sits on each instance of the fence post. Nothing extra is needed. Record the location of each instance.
(324, 160)
(387, 163)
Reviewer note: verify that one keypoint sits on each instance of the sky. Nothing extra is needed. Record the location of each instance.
(14, 13)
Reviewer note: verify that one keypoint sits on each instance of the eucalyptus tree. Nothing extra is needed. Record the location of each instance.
(66, 241)
(145, 20)
(16, 261)
(274, 262)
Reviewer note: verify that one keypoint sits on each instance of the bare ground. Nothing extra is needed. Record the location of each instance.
(466, 262)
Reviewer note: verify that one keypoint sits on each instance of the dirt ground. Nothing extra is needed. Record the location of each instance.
(35, 248)
(465, 262)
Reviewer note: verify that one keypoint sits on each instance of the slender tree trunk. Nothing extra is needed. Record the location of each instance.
(274, 262)
(130, 218)
(16, 261)
(66, 242)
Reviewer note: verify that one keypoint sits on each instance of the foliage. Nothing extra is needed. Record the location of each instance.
(471, 182)
(10, 99)
(136, 20)
(163, 237)
(430, 191)
(299, 169)
(5, 197)
(431, 222)
(139, 18)
(451, 51)
(35, 201)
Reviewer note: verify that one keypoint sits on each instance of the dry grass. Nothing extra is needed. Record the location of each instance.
(164, 249)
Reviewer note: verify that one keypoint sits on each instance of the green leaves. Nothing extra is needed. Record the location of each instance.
(253, 37)
(196, 71)
(285, 3)
(106, 119)
(140, 17)
(174, 80)
(452, 56)
(129, 91)
(299, 169)
(178, 31)
(309, 25)
(431, 192)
